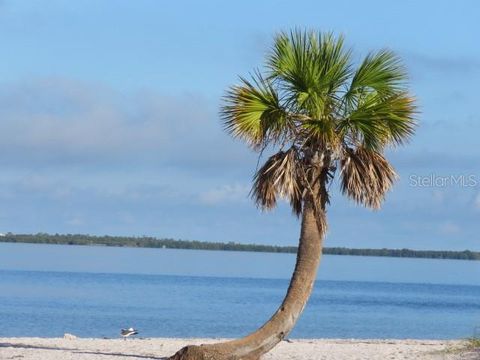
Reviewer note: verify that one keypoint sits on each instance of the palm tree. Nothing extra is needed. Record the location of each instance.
(323, 117)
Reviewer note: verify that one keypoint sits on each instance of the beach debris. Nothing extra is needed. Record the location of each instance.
(128, 332)
(68, 336)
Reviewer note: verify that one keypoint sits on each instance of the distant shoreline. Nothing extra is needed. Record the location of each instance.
(150, 242)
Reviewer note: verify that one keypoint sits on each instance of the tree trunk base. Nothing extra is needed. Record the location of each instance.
(206, 352)
(254, 345)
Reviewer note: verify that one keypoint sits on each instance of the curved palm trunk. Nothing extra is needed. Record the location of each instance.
(282, 322)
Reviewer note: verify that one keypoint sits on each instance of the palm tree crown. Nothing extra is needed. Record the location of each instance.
(321, 114)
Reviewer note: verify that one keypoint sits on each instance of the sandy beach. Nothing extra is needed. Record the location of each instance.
(159, 348)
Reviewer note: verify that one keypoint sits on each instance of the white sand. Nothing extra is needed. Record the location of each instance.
(142, 349)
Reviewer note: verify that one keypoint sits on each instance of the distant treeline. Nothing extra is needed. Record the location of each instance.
(150, 242)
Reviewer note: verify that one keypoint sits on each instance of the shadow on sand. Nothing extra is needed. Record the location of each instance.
(80, 351)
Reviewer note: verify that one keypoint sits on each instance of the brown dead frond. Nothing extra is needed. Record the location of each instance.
(278, 176)
(366, 176)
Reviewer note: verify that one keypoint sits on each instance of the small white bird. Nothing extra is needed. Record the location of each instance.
(128, 332)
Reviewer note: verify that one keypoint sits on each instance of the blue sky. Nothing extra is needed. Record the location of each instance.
(109, 119)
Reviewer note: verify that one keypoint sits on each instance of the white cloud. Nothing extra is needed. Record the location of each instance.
(465, 65)
(75, 221)
(438, 196)
(476, 202)
(225, 194)
(60, 121)
(449, 228)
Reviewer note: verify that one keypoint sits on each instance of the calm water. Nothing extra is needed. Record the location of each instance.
(47, 290)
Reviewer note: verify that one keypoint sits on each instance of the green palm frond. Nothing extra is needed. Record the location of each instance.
(253, 112)
(381, 72)
(379, 121)
(366, 176)
(310, 67)
(311, 100)
(323, 130)
(335, 58)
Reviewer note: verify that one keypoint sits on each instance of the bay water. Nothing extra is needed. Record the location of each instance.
(93, 291)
